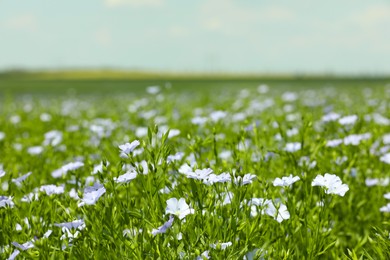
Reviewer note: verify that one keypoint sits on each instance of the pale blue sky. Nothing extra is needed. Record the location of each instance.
(349, 36)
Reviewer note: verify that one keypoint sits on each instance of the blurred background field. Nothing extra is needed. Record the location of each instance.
(95, 82)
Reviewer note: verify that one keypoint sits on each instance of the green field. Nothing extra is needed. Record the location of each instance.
(119, 165)
(102, 82)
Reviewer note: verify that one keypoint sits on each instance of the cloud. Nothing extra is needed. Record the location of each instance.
(133, 3)
(25, 22)
(178, 31)
(374, 16)
(103, 37)
(231, 17)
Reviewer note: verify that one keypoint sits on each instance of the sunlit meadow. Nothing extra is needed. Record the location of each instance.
(260, 172)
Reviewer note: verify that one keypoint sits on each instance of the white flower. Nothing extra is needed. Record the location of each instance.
(334, 142)
(281, 213)
(385, 208)
(76, 224)
(293, 147)
(141, 131)
(47, 233)
(153, 89)
(286, 181)
(262, 89)
(387, 196)
(247, 179)
(176, 157)
(125, 178)
(2, 173)
(71, 230)
(305, 161)
(204, 255)
(238, 117)
(131, 232)
(52, 189)
(128, 147)
(289, 96)
(371, 182)
(223, 246)
(73, 194)
(221, 178)
(331, 183)
(98, 168)
(386, 139)
(185, 168)
(30, 197)
(13, 255)
(18, 227)
(385, 158)
(330, 117)
(226, 197)
(17, 147)
(2, 135)
(70, 235)
(18, 181)
(348, 120)
(380, 120)
(178, 207)
(72, 166)
(144, 165)
(217, 115)
(15, 119)
(35, 150)
(375, 181)
(92, 194)
(6, 201)
(267, 207)
(355, 139)
(53, 138)
(66, 168)
(199, 120)
(89, 180)
(251, 255)
(25, 246)
(225, 155)
(199, 174)
(162, 229)
(45, 117)
(173, 133)
(292, 132)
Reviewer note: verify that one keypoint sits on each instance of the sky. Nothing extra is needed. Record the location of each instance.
(247, 36)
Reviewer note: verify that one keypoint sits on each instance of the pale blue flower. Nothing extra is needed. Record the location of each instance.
(92, 194)
(6, 201)
(331, 183)
(178, 207)
(385, 158)
(52, 189)
(279, 213)
(246, 179)
(66, 168)
(222, 246)
(293, 147)
(348, 120)
(24, 246)
(125, 178)
(286, 181)
(18, 181)
(162, 229)
(76, 224)
(127, 148)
